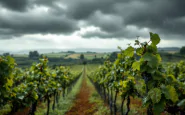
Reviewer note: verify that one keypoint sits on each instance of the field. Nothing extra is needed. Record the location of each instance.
(57, 55)
(68, 55)
(62, 58)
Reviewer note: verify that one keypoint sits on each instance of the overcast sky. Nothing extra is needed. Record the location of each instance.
(106, 24)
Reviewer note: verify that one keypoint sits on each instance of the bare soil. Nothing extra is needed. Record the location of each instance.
(82, 106)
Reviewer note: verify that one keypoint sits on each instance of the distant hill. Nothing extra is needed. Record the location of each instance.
(98, 50)
(169, 49)
(42, 51)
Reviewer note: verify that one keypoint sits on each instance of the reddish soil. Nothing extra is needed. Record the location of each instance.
(23, 112)
(137, 102)
(82, 106)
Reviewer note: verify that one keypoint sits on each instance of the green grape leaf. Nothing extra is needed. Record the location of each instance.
(9, 82)
(151, 34)
(137, 42)
(159, 107)
(152, 59)
(154, 38)
(21, 97)
(152, 49)
(11, 60)
(181, 103)
(117, 62)
(139, 51)
(158, 58)
(119, 55)
(146, 101)
(170, 93)
(35, 96)
(119, 48)
(129, 51)
(136, 66)
(155, 95)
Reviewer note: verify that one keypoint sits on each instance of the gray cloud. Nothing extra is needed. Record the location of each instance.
(129, 32)
(107, 22)
(114, 18)
(17, 5)
(14, 23)
(162, 15)
(40, 24)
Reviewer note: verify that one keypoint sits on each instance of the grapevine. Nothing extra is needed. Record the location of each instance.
(163, 89)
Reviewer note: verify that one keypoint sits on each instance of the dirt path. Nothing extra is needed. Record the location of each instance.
(82, 106)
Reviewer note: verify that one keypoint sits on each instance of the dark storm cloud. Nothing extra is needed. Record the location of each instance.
(114, 18)
(166, 16)
(22, 24)
(82, 9)
(17, 5)
(162, 16)
(107, 22)
(129, 32)
(16, 23)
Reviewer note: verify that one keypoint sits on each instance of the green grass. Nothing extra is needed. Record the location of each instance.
(88, 56)
(53, 55)
(101, 108)
(89, 67)
(92, 67)
(20, 55)
(76, 68)
(91, 56)
(64, 104)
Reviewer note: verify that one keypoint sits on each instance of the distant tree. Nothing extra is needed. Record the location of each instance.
(30, 54)
(84, 62)
(90, 52)
(33, 54)
(82, 57)
(72, 52)
(113, 56)
(182, 50)
(95, 56)
(6, 54)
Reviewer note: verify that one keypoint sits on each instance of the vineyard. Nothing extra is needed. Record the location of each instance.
(39, 83)
(137, 74)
